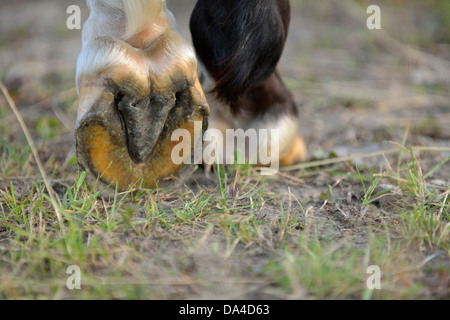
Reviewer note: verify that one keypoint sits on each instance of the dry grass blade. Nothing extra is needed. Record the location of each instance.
(35, 153)
(327, 162)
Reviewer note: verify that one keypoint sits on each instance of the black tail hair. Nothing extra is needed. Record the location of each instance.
(240, 42)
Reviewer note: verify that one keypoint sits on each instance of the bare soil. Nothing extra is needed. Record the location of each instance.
(358, 91)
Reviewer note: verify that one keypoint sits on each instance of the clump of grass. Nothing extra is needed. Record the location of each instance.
(369, 192)
(429, 218)
(13, 159)
(125, 243)
(319, 267)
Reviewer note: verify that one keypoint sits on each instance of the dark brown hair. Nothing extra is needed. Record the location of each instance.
(240, 42)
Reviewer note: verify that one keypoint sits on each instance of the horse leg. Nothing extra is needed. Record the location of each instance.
(240, 43)
(137, 82)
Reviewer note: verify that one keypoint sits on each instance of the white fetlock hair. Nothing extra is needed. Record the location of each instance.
(138, 14)
(110, 24)
(111, 37)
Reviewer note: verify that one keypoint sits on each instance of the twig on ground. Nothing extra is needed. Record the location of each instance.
(36, 157)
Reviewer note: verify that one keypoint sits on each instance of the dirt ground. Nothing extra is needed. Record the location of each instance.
(359, 91)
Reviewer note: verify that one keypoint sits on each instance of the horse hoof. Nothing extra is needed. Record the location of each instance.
(296, 154)
(124, 140)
